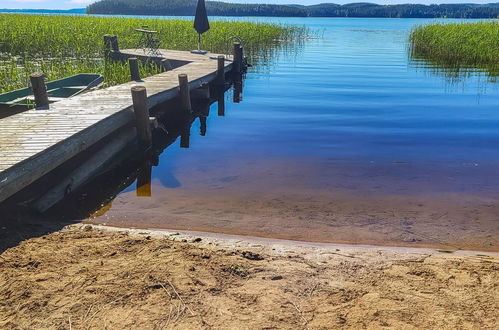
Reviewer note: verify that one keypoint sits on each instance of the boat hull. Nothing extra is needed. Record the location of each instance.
(22, 99)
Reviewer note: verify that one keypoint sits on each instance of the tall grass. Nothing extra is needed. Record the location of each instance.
(66, 45)
(461, 44)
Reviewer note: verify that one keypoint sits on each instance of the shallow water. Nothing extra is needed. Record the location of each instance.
(342, 138)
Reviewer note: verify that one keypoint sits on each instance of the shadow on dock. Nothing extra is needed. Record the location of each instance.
(20, 216)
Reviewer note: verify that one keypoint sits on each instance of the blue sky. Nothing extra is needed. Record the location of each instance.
(68, 4)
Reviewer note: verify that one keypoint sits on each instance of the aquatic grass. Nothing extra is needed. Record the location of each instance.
(458, 45)
(65, 45)
(72, 36)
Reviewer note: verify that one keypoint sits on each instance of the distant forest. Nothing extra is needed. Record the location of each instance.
(45, 11)
(215, 8)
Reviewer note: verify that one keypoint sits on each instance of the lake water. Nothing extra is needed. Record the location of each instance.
(342, 138)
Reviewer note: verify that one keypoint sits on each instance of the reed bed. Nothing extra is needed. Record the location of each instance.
(459, 44)
(64, 45)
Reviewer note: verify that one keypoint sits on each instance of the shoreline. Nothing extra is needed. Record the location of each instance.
(222, 240)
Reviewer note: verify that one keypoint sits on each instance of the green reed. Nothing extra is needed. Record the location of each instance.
(65, 45)
(460, 44)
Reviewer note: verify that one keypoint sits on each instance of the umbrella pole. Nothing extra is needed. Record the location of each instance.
(199, 41)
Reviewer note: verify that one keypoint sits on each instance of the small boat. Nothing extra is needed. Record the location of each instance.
(22, 99)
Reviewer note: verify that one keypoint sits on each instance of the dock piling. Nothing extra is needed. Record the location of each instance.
(221, 70)
(39, 89)
(185, 97)
(238, 57)
(110, 45)
(133, 63)
(139, 98)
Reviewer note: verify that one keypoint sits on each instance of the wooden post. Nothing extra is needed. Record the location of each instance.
(238, 57)
(134, 69)
(166, 65)
(114, 44)
(107, 45)
(139, 98)
(185, 97)
(221, 70)
(39, 89)
(110, 45)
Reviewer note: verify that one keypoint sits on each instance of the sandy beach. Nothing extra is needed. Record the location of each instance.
(94, 277)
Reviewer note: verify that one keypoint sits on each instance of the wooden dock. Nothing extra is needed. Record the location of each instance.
(35, 142)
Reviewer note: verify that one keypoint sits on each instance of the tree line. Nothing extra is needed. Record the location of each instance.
(215, 8)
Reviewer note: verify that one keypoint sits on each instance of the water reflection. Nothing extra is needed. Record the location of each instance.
(238, 90)
(95, 198)
(144, 181)
(221, 104)
(454, 72)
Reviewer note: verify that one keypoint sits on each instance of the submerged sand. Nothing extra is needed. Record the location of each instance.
(103, 278)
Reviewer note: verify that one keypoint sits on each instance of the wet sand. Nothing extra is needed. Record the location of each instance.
(393, 205)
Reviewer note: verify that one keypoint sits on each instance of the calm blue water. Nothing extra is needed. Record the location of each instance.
(341, 131)
(353, 95)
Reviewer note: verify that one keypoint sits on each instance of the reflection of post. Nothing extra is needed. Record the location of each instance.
(238, 89)
(185, 136)
(144, 181)
(202, 126)
(221, 103)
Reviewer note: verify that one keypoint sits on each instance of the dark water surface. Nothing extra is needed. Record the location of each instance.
(342, 138)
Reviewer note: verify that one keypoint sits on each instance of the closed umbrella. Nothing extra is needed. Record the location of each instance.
(201, 24)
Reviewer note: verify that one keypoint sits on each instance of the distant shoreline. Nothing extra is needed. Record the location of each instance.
(352, 10)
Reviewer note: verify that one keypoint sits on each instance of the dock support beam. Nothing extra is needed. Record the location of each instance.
(139, 98)
(185, 95)
(134, 69)
(85, 171)
(238, 57)
(201, 93)
(39, 89)
(220, 70)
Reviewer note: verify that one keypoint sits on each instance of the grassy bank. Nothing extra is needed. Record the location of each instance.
(64, 45)
(461, 44)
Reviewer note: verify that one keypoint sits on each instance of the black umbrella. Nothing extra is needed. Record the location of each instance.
(201, 24)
